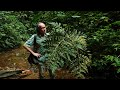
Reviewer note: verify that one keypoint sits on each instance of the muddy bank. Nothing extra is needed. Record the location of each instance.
(17, 59)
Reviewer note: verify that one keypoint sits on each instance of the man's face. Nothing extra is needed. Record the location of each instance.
(42, 28)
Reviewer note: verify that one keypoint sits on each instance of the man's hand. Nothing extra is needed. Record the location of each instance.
(37, 55)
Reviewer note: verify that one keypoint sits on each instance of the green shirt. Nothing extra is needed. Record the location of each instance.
(39, 45)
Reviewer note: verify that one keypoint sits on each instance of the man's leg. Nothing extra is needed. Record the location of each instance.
(40, 71)
(52, 76)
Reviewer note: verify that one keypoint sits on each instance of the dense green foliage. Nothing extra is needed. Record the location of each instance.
(11, 30)
(68, 50)
(76, 33)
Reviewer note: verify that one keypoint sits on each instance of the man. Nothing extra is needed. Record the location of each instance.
(35, 45)
(41, 29)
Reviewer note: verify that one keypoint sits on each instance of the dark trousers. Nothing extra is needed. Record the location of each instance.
(42, 68)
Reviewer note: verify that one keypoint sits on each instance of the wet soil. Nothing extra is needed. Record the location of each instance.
(17, 59)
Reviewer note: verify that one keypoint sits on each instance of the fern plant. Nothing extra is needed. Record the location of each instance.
(67, 50)
(115, 61)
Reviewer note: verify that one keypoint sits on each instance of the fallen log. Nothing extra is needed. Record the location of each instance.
(9, 73)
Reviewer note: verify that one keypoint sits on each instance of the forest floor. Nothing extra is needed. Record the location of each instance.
(16, 59)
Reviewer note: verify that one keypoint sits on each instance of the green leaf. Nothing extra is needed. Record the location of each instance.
(118, 71)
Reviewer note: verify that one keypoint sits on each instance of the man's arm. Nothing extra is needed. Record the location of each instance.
(30, 43)
(31, 51)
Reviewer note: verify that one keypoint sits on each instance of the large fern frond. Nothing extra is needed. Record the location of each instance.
(67, 50)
